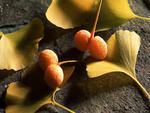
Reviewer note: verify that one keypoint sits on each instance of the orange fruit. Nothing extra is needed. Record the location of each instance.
(47, 57)
(81, 39)
(98, 48)
(54, 76)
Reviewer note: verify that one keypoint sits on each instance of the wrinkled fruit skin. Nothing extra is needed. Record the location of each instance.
(54, 76)
(81, 39)
(98, 48)
(46, 58)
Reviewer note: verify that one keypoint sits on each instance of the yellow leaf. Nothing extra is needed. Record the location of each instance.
(68, 70)
(18, 102)
(31, 93)
(72, 13)
(123, 47)
(96, 69)
(17, 49)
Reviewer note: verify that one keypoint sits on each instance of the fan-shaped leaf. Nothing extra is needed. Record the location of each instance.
(123, 47)
(31, 93)
(17, 49)
(72, 13)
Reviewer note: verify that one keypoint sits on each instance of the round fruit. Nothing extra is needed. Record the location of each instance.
(47, 57)
(81, 39)
(54, 76)
(98, 48)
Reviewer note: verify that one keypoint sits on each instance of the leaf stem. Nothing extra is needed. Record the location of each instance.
(143, 18)
(146, 94)
(63, 107)
(53, 94)
(96, 21)
(59, 105)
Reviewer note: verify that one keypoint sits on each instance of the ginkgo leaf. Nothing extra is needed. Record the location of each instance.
(72, 13)
(123, 47)
(31, 93)
(17, 49)
(68, 70)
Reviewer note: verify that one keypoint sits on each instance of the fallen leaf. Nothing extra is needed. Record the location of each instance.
(73, 13)
(31, 93)
(123, 47)
(17, 49)
(68, 70)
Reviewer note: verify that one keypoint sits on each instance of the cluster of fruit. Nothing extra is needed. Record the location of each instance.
(48, 59)
(96, 46)
(54, 75)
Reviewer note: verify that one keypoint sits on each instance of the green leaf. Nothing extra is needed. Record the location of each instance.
(17, 49)
(72, 13)
(31, 93)
(123, 47)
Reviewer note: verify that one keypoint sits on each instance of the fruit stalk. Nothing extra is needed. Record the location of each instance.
(96, 21)
(68, 61)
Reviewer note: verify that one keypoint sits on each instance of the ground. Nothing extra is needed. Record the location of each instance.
(77, 94)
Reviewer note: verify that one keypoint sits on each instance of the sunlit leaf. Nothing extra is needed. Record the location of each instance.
(31, 93)
(123, 47)
(72, 13)
(17, 49)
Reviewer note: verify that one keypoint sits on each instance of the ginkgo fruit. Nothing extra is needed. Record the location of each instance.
(97, 48)
(54, 76)
(95, 45)
(47, 57)
(81, 39)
